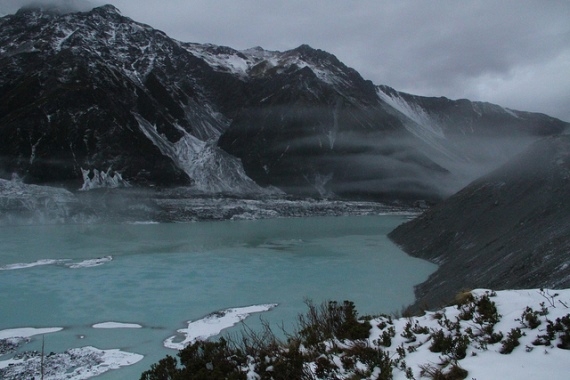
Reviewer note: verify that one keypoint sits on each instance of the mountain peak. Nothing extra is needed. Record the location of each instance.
(306, 50)
(107, 9)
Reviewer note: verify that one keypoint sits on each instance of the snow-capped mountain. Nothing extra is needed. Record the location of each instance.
(95, 92)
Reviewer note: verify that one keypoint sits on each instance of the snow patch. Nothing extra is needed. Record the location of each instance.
(213, 324)
(90, 263)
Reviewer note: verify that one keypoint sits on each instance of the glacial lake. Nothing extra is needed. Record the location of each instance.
(160, 276)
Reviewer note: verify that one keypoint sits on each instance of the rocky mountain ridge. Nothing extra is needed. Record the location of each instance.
(94, 92)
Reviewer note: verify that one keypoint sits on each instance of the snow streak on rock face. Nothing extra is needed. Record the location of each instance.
(102, 179)
(211, 169)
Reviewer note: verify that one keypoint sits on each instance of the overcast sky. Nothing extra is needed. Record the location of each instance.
(515, 53)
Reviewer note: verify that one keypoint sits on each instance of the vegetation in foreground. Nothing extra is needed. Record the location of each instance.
(332, 342)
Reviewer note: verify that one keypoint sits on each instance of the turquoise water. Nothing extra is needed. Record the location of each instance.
(162, 275)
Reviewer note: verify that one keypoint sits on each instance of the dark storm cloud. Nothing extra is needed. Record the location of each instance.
(515, 53)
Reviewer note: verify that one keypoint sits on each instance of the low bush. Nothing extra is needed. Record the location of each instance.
(201, 361)
(512, 341)
(529, 318)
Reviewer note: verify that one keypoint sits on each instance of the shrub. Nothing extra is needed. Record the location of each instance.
(272, 358)
(434, 373)
(324, 367)
(373, 358)
(560, 328)
(200, 361)
(408, 334)
(454, 346)
(487, 311)
(564, 329)
(529, 318)
(511, 342)
(418, 329)
(329, 321)
(386, 337)
(440, 342)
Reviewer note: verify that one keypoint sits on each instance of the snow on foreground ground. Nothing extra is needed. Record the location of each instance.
(514, 334)
(543, 348)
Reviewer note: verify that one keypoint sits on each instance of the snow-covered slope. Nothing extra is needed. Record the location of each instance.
(494, 335)
(511, 334)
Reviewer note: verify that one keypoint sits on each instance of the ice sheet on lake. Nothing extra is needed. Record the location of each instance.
(116, 325)
(12, 339)
(213, 324)
(26, 332)
(33, 264)
(65, 262)
(73, 364)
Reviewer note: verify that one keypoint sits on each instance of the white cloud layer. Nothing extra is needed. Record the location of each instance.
(514, 52)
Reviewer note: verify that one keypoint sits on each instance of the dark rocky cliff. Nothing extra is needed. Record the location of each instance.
(509, 229)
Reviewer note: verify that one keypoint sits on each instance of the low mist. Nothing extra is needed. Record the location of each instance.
(375, 164)
(59, 6)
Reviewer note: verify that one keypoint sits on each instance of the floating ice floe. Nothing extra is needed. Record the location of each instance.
(116, 325)
(213, 324)
(65, 262)
(33, 264)
(90, 263)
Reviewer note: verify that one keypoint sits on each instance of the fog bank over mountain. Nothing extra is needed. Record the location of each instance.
(59, 6)
(95, 99)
